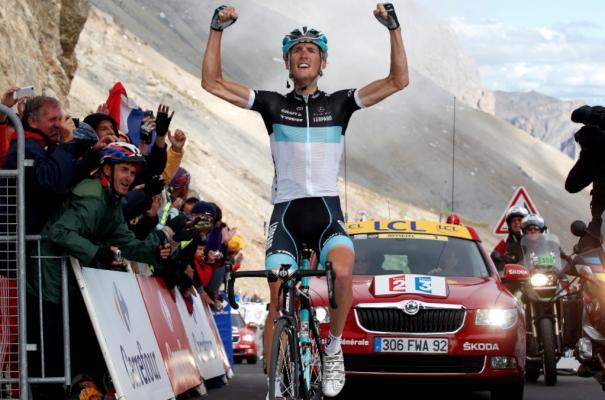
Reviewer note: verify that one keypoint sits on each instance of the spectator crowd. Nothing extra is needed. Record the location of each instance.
(114, 200)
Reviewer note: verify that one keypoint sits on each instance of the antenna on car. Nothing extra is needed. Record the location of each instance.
(453, 155)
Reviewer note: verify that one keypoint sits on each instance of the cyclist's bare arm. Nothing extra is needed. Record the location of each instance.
(212, 74)
(398, 77)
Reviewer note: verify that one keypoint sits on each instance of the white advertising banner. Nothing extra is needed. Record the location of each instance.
(207, 352)
(124, 332)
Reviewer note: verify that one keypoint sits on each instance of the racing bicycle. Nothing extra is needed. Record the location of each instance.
(297, 350)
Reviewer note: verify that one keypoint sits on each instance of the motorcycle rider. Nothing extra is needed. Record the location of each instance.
(508, 251)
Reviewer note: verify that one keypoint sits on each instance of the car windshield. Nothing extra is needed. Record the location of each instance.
(383, 254)
(237, 321)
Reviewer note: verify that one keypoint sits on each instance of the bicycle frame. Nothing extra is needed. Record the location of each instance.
(298, 316)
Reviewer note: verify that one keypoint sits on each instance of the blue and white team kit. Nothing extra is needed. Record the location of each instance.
(306, 134)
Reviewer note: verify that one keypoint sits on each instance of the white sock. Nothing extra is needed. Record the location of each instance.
(333, 344)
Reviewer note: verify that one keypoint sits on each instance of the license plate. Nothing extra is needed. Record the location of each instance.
(410, 345)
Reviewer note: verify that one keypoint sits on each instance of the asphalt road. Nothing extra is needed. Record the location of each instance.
(249, 383)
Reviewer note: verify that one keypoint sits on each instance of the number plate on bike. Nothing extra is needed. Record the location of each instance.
(410, 345)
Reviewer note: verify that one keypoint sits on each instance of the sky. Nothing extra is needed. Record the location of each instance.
(555, 47)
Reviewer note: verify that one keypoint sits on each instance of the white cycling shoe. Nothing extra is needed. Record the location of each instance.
(333, 374)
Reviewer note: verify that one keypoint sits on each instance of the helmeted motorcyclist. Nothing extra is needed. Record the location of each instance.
(508, 251)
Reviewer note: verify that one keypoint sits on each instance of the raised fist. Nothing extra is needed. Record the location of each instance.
(385, 14)
(223, 17)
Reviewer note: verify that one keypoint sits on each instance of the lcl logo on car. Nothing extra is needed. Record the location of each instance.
(411, 307)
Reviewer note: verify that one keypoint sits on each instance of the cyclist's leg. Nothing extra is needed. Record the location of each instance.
(336, 246)
(281, 249)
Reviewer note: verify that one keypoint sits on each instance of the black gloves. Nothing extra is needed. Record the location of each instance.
(162, 121)
(216, 24)
(392, 22)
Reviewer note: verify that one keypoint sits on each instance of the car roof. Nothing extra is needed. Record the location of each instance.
(411, 227)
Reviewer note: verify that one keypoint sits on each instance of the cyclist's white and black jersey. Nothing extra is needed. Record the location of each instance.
(306, 134)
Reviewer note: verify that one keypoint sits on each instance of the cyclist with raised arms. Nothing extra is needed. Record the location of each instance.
(306, 129)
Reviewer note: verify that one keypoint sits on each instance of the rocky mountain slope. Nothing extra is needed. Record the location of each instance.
(38, 42)
(399, 153)
(544, 117)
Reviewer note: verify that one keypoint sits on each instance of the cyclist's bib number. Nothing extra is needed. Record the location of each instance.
(410, 345)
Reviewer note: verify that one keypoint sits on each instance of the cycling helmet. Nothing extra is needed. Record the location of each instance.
(121, 152)
(515, 211)
(533, 220)
(305, 34)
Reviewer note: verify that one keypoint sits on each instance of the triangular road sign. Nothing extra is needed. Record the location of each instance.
(520, 198)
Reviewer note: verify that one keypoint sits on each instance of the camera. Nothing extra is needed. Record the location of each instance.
(146, 133)
(587, 115)
(592, 134)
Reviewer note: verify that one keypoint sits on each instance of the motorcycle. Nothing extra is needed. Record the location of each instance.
(590, 349)
(541, 296)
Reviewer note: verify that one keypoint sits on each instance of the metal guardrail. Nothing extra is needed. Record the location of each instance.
(13, 285)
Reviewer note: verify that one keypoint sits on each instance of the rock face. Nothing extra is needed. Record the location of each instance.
(544, 117)
(38, 43)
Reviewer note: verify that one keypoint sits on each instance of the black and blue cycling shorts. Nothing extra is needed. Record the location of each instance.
(316, 222)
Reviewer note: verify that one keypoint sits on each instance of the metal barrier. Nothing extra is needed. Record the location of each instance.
(14, 372)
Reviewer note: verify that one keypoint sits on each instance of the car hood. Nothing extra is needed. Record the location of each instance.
(470, 292)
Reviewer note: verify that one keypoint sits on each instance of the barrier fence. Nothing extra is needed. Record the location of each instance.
(155, 343)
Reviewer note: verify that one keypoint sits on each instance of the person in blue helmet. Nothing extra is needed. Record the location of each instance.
(306, 129)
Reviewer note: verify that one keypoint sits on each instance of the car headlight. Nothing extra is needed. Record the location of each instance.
(539, 279)
(322, 314)
(248, 338)
(496, 317)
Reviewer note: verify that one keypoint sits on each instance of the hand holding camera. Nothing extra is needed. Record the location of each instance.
(147, 128)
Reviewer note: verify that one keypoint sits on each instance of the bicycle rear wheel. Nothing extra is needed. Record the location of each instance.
(284, 368)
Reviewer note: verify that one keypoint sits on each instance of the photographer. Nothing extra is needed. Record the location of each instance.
(590, 168)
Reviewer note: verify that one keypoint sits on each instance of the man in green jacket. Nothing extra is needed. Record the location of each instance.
(91, 227)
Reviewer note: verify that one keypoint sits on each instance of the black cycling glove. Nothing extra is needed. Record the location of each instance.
(216, 24)
(162, 123)
(392, 22)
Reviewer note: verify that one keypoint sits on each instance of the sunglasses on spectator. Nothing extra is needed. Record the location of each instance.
(533, 229)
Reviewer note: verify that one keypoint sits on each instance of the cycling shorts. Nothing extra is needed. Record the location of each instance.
(315, 221)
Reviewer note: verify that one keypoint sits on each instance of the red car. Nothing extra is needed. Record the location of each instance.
(428, 302)
(244, 339)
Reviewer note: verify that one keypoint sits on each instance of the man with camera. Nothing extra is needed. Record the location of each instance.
(590, 168)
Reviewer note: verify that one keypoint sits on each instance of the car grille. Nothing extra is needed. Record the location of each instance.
(414, 364)
(394, 320)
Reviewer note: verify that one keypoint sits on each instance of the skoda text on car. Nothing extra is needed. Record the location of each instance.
(428, 302)
(244, 339)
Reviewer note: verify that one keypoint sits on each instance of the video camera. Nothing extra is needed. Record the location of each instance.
(593, 132)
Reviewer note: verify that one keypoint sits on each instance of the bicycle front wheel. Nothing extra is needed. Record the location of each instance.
(284, 368)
